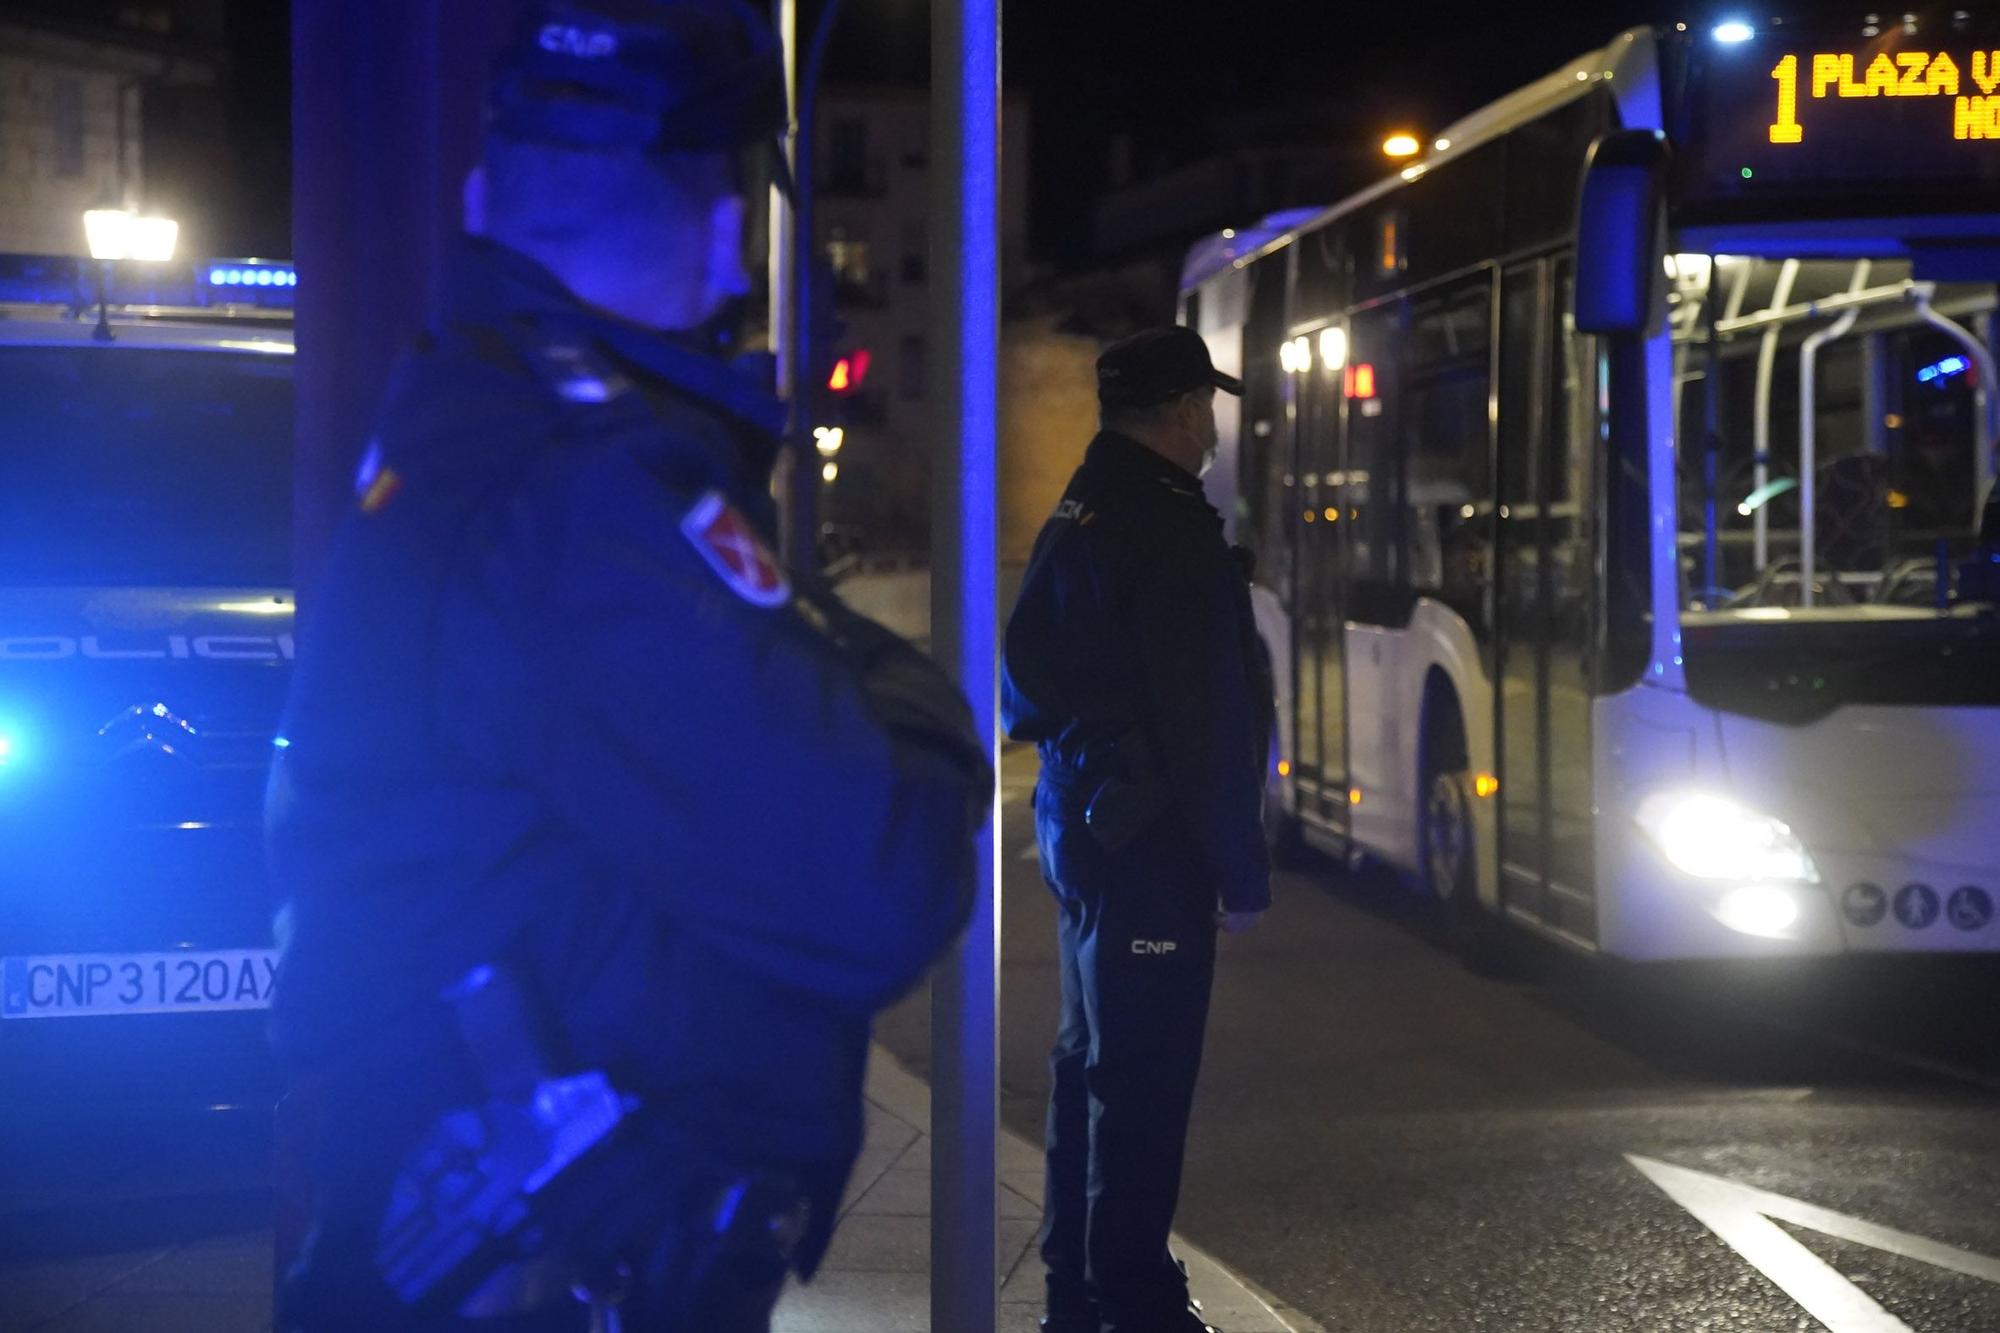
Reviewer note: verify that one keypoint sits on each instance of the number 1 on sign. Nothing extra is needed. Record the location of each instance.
(1787, 129)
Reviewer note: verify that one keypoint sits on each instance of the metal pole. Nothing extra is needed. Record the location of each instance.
(785, 20)
(809, 281)
(386, 98)
(386, 115)
(964, 336)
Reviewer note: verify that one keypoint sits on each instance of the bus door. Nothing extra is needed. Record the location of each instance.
(1547, 602)
(1377, 597)
(1319, 669)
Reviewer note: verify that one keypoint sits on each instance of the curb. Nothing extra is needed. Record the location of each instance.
(908, 1098)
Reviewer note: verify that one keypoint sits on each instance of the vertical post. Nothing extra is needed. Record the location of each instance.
(965, 328)
(386, 105)
(787, 309)
(785, 20)
(386, 98)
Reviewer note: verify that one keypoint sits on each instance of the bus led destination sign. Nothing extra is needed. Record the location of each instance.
(1974, 111)
(1834, 124)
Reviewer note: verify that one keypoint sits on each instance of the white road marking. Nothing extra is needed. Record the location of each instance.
(1741, 1215)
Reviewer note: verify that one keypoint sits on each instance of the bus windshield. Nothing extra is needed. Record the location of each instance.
(1835, 438)
(144, 466)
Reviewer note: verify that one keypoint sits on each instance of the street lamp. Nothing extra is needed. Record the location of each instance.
(1400, 145)
(114, 233)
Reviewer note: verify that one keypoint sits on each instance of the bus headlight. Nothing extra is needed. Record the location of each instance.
(1766, 910)
(1711, 837)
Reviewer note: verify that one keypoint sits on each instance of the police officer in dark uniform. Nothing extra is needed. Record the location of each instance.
(1132, 662)
(560, 718)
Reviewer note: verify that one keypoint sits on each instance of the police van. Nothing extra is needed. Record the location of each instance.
(145, 646)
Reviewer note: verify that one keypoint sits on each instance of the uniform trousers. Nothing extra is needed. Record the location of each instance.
(1137, 942)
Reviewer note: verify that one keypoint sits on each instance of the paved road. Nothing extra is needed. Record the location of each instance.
(1390, 1144)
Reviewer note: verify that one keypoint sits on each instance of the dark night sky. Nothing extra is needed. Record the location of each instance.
(1350, 71)
(1162, 72)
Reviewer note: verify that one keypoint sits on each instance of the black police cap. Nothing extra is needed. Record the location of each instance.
(660, 76)
(1155, 365)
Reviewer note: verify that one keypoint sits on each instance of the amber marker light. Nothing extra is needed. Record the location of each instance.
(1284, 768)
(1485, 785)
(1400, 145)
(1354, 796)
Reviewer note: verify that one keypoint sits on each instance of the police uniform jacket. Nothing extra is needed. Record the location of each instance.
(1132, 654)
(554, 703)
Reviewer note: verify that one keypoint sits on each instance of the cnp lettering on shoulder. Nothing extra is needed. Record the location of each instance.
(1158, 948)
(561, 39)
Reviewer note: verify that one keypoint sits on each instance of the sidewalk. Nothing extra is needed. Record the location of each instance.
(876, 1278)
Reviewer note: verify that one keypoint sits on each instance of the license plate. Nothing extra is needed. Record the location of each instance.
(84, 985)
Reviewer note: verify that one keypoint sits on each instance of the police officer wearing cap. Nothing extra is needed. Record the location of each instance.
(1132, 662)
(560, 717)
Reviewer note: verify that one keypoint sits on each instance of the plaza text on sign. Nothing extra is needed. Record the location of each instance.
(1784, 127)
(1974, 113)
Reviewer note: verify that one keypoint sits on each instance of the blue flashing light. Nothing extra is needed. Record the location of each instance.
(1733, 32)
(13, 744)
(223, 275)
(1943, 370)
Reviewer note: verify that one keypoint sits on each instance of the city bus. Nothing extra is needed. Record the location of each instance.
(1618, 477)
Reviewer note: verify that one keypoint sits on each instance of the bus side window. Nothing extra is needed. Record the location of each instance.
(1447, 447)
(1371, 489)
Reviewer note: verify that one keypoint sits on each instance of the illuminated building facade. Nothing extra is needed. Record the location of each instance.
(110, 103)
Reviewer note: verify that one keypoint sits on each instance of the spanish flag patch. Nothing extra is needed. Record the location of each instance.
(381, 490)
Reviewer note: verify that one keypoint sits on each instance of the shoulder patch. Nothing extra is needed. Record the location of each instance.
(375, 482)
(732, 548)
(380, 491)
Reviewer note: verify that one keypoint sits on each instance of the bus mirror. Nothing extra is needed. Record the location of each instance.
(1621, 234)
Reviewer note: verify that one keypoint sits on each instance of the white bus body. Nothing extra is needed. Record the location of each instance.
(1704, 829)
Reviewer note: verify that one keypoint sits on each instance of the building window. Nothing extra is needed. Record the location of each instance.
(853, 273)
(66, 114)
(912, 368)
(916, 263)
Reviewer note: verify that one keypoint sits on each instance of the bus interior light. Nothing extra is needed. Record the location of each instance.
(1333, 348)
(1711, 837)
(1766, 493)
(1733, 32)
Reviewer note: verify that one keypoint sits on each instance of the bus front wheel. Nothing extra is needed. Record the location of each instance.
(1448, 853)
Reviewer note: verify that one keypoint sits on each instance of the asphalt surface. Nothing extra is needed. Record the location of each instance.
(1386, 1142)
